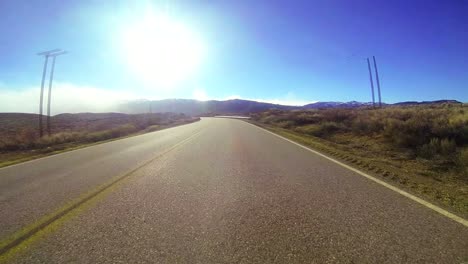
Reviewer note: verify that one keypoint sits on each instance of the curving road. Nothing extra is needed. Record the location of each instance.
(215, 191)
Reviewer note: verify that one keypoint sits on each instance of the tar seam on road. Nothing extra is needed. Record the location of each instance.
(439, 210)
(20, 236)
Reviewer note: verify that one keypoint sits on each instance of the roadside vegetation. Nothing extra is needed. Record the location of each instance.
(20, 141)
(423, 149)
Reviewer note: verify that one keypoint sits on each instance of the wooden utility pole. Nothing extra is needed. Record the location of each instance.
(54, 56)
(378, 82)
(46, 55)
(371, 82)
(42, 95)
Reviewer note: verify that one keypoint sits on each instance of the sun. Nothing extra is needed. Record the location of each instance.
(160, 50)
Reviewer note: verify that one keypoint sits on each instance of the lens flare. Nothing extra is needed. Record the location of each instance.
(161, 51)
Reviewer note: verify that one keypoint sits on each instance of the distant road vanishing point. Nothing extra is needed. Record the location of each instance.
(215, 191)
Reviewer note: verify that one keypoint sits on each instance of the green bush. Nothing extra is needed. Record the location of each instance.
(324, 130)
(152, 128)
(462, 161)
(27, 136)
(58, 138)
(360, 126)
(338, 115)
(308, 129)
(445, 147)
(286, 124)
(305, 118)
(111, 133)
(269, 119)
(430, 149)
(98, 136)
(8, 144)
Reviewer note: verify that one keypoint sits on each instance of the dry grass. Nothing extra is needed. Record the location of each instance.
(19, 139)
(422, 149)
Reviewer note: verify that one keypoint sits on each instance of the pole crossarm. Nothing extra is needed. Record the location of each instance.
(49, 52)
(58, 53)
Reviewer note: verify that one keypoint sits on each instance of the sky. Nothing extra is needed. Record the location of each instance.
(289, 52)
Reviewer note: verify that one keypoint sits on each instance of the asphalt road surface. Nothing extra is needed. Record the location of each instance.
(215, 191)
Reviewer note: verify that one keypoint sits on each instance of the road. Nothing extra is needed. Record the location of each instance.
(215, 191)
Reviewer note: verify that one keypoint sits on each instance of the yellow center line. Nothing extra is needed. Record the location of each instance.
(24, 237)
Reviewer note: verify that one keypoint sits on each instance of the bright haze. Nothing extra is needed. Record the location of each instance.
(287, 52)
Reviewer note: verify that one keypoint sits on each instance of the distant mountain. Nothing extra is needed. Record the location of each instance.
(429, 102)
(351, 104)
(238, 106)
(195, 107)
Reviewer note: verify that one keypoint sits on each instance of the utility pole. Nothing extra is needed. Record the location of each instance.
(54, 56)
(378, 82)
(371, 83)
(46, 56)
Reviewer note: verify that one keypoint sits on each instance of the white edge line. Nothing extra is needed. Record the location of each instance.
(389, 186)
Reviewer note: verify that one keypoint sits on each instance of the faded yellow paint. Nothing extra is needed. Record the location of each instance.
(25, 237)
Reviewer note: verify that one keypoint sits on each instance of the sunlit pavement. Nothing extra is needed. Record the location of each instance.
(230, 192)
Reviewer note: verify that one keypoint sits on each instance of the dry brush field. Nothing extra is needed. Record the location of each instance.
(423, 149)
(20, 141)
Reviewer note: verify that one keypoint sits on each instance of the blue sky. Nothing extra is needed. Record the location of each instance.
(281, 51)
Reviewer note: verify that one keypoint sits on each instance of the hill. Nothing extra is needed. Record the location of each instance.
(196, 108)
(351, 104)
(241, 107)
(429, 102)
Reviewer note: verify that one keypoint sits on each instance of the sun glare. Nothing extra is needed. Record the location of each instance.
(161, 51)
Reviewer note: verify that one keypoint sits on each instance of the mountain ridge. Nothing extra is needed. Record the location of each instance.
(240, 106)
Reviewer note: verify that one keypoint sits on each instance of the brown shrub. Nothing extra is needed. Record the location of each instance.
(27, 136)
(403, 127)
